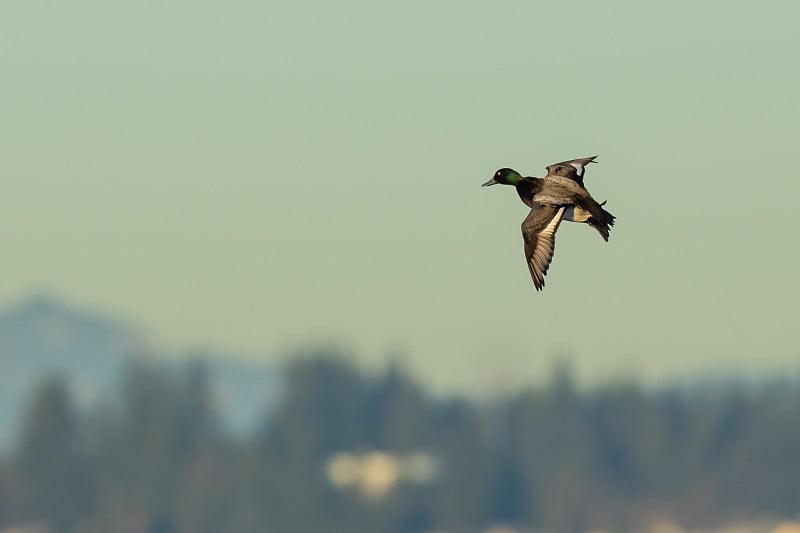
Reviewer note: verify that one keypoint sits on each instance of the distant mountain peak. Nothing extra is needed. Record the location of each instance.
(34, 305)
(48, 305)
(44, 332)
(43, 335)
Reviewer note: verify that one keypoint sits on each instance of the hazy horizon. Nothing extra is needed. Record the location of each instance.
(267, 177)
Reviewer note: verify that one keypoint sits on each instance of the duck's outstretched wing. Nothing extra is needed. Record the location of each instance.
(573, 169)
(539, 234)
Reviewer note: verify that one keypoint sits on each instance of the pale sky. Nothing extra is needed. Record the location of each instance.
(265, 176)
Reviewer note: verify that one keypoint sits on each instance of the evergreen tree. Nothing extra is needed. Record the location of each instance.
(50, 462)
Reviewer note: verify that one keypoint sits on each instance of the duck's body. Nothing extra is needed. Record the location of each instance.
(561, 191)
(560, 195)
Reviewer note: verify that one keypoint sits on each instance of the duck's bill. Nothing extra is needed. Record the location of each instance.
(490, 182)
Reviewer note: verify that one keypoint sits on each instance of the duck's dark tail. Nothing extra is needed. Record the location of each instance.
(601, 220)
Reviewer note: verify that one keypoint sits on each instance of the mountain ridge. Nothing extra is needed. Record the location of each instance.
(43, 335)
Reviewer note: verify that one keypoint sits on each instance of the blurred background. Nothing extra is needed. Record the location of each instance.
(250, 281)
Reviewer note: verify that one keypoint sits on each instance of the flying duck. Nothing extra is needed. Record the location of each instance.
(560, 195)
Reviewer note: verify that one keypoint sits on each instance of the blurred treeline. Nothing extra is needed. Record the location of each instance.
(551, 458)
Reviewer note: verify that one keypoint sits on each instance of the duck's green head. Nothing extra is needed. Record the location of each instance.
(504, 176)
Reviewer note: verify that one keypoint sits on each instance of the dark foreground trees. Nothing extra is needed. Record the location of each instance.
(154, 457)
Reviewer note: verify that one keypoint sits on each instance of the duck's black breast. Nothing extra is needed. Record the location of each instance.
(527, 188)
